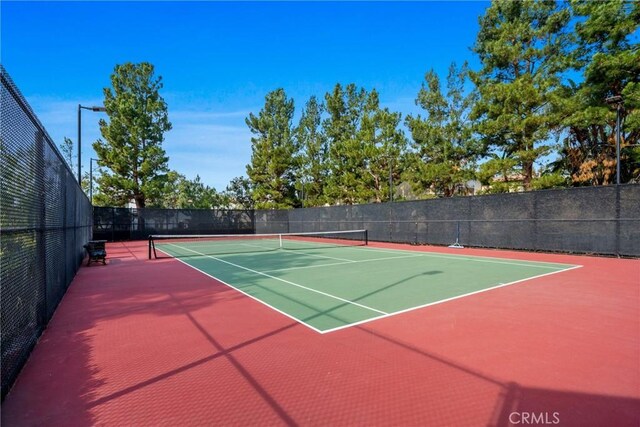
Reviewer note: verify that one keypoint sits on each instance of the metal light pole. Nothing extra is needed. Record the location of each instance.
(389, 159)
(302, 184)
(618, 107)
(617, 101)
(91, 179)
(80, 108)
(390, 180)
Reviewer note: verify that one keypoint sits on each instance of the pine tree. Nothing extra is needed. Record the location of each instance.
(272, 170)
(238, 192)
(183, 193)
(610, 62)
(131, 154)
(313, 168)
(445, 150)
(523, 49)
(346, 160)
(364, 143)
(385, 153)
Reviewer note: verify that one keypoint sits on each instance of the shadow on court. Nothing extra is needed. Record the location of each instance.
(250, 280)
(520, 405)
(526, 405)
(152, 343)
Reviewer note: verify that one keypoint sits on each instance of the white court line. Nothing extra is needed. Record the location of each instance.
(246, 294)
(324, 256)
(305, 253)
(282, 280)
(535, 264)
(340, 263)
(501, 285)
(476, 258)
(415, 254)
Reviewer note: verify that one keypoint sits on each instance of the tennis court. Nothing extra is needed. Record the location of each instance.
(332, 280)
(157, 342)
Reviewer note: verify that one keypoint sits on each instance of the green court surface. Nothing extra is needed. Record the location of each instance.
(329, 288)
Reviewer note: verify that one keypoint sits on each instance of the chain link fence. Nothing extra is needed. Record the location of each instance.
(45, 219)
(598, 220)
(116, 224)
(272, 221)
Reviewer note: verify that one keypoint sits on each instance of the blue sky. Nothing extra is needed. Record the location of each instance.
(218, 60)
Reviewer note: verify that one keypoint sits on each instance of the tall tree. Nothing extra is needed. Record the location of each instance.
(313, 168)
(134, 162)
(179, 192)
(364, 145)
(194, 194)
(239, 193)
(445, 150)
(523, 47)
(272, 170)
(385, 146)
(610, 63)
(345, 108)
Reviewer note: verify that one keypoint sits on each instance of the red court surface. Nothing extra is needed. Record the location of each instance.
(139, 342)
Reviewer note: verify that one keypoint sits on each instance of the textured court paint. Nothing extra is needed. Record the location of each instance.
(320, 311)
(356, 289)
(140, 342)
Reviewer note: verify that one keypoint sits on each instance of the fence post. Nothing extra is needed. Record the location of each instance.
(617, 219)
(535, 221)
(41, 233)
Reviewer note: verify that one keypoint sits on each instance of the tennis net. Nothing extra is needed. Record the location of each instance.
(174, 246)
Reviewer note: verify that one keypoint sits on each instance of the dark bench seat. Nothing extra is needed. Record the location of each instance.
(97, 251)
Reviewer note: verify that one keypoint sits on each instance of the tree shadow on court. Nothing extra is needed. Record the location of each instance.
(369, 294)
(520, 405)
(397, 283)
(127, 290)
(516, 404)
(165, 293)
(63, 383)
(59, 365)
(331, 311)
(220, 351)
(69, 387)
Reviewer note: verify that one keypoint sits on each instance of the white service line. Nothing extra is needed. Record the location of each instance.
(383, 314)
(307, 254)
(340, 263)
(501, 285)
(264, 248)
(282, 280)
(246, 294)
(534, 264)
(327, 257)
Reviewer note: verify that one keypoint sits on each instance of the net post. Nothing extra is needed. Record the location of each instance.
(366, 237)
(150, 244)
